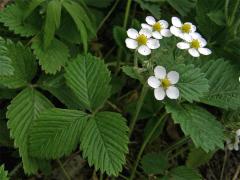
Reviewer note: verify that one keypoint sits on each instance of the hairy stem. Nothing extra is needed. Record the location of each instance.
(138, 108)
(63, 170)
(178, 144)
(146, 141)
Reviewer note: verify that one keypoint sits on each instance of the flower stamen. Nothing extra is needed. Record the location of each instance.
(166, 83)
(142, 39)
(195, 44)
(186, 28)
(157, 27)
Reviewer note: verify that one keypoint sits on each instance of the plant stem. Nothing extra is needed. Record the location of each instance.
(129, 2)
(234, 12)
(146, 141)
(224, 164)
(135, 59)
(63, 170)
(14, 171)
(108, 15)
(178, 144)
(101, 176)
(138, 108)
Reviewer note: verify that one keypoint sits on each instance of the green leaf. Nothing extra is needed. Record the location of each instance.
(31, 6)
(224, 85)
(89, 79)
(203, 128)
(22, 112)
(56, 133)
(217, 16)
(53, 18)
(99, 3)
(184, 173)
(192, 83)
(3, 173)
(56, 85)
(52, 58)
(4, 135)
(24, 64)
(13, 17)
(154, 163)
(105, 142)
(133, 72)
(119, 35)
(81, 20)
(6, 68)
(197, 157)
(183, 7)
(153, 8)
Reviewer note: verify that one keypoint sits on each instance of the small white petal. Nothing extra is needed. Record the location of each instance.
(166, 33)
(236, 146)
(238, 132)
(144, 50)
(146, 32)
(160, 72)
(175, 31)
(157, 35)
(132, 33)
(236, 139)
(230, 146)
(196, 35)
(205, 51)
(164, 24)
(146, 26)
(159, 93)
(153, 82)
(153, 43)
(183, 45)
(187, 37)
(202, 41)
(172, 92)
(193, 52)
(193, 28)
(131, 43)
(150, 20)
(173, 77)
(176, 22)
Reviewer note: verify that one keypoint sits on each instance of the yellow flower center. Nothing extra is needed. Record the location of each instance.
(166, 83)
(157, 27)
(195, 44)
(142, 39)
(186, 28)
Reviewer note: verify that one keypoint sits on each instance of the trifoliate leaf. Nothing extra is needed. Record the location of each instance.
(224, 84)
(53, 57)
(192, 83)
(183, 7)
(6, 68)
(56, 133)
(24, 64)
(13, 17)
(105, 142)
(3, 173)
(184, 173)
(89, 79)
(53, 18)
(203, 128)
(56, 85)
(22, 112)
(154, 163)
(198, 157)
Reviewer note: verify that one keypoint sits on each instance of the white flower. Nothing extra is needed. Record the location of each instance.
(164, 83)
(182, 30)
(141, 41)
(195, 45)
(234, 145)
(158, 28)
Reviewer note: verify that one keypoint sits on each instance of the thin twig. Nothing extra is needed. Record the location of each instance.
(235, 177)
(63, 170)
(224, 164)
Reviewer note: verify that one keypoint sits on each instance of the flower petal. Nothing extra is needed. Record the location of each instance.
(153, 43)
(176, 22)
(187, 37)
(153, 82)
(146, 32)
(202, 41)
(150, 20)
(160, 72)
(175, 31)
(193, 52)
(238, 132)
(230, 146)
(172, 92)
(166, 33)
(183, 45)
(157, 35)
(132, 33)
(205, 51)
(236, 146)
(144, 50)
(173, 77)
(196, 35)
(159, 93)
(146, 26)
(131, 43)
(164, 24)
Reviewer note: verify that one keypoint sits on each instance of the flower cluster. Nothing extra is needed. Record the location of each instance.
(234, 146)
